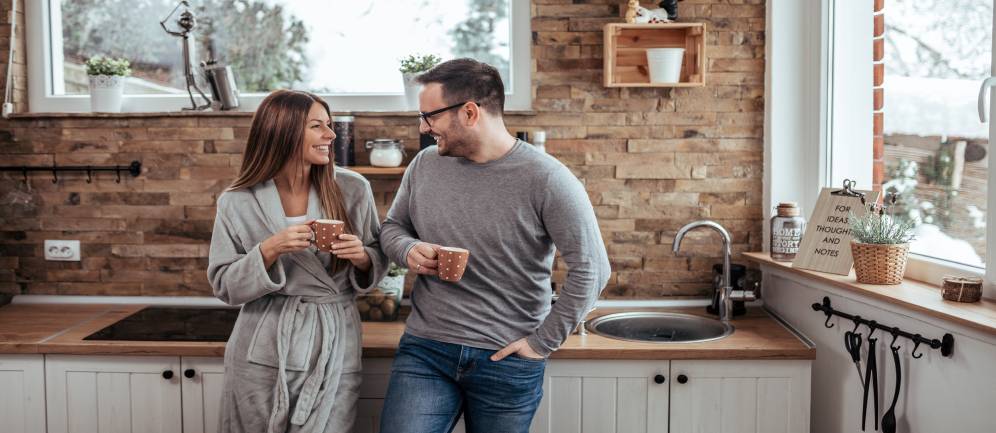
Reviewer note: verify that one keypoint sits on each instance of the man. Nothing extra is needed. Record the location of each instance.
(478, 346)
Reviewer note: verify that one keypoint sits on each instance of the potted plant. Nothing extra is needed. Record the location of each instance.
(107, 77)
(880, 244)
(411, 66)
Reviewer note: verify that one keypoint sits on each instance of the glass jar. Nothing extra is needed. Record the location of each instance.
(342, 126)
(787, 227)
(385, 152)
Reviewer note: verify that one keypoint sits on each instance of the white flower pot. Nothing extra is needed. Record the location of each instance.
(665, 64)
(392, 284)
(411, 90)
(106, 92)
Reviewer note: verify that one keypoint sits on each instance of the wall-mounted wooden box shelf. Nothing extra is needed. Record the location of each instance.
(626, 53)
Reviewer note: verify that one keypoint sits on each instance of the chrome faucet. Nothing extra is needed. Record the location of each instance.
(726, 293)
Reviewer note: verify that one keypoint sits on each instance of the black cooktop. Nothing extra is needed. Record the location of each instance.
(172, 324)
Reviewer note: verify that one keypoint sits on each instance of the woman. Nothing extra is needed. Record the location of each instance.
(293, 360)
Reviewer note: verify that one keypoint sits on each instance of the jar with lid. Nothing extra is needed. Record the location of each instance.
(385, 152)
(787, 227)
(342, 148)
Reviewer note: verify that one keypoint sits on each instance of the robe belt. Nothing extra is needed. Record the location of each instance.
(331, 358)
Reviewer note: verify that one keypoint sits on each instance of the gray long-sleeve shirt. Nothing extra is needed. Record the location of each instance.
(511, 213)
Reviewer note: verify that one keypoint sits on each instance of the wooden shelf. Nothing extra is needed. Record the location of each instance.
(369, 170)
(626, 53)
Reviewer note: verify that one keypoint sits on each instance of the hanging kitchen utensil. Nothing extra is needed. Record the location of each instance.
(889, 420)
(871, 382)
(852, 343)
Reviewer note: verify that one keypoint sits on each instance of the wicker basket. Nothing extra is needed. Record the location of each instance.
(879, 263)
(961, 289)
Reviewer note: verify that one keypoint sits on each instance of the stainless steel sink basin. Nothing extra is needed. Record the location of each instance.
(658, 327)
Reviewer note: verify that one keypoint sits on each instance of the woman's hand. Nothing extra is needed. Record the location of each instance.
(290, 239)
(349, 247)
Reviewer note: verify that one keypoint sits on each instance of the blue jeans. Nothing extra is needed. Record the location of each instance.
(433, 382)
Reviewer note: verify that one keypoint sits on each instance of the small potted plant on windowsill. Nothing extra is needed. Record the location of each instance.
(880, 244)
(411, 66)
(107, 78)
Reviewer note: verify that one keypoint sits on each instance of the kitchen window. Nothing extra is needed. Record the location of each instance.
(935, 153)
(348, 52)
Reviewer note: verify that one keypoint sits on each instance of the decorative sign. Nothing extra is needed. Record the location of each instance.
(826, 246)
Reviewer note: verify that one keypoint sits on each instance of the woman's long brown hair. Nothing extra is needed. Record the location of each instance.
(276, 139)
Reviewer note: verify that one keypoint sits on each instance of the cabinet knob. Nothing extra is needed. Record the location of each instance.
(682, 378)
(659, 379)
(168, 374)
(189, 373)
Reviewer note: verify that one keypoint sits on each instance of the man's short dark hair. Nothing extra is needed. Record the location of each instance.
(468, 80)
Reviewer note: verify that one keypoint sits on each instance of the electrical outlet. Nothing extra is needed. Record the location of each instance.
(64, 251)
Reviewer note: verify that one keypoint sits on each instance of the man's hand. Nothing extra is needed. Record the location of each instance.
(422, 259)
(518, 347)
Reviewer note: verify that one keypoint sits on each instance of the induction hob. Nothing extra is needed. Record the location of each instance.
(172, 323)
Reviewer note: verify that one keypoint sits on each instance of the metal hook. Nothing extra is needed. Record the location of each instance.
(827, 323)
(24, 171)
(895, 335)
(118, 171)
(89, 174)
(873, 326)
(55, 176)
(857, 324)
(916, 346)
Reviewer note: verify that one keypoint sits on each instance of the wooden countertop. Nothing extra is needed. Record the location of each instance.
(60, 328)
(910, 294)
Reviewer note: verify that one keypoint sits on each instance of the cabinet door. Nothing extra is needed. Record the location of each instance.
(113, 394)
(22, 401)
(603, 396)
(740, 396)
(201, 393)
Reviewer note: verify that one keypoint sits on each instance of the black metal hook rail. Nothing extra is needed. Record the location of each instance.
(134, 169)
(946, 343)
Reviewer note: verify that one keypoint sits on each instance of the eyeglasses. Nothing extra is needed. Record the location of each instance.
(424, 117)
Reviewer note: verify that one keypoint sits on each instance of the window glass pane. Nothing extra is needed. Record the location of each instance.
(936, 54)
(341, 46)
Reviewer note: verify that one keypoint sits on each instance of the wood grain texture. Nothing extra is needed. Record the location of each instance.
(757, 336)
(911, 294)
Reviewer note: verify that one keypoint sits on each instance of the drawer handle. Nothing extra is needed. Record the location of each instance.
(168, 374)
(189, 373)
(682, 378)
(659, 379)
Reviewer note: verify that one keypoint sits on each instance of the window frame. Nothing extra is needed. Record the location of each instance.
(39, 21)
(807, 80)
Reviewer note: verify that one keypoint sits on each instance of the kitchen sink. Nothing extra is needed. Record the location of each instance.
(659, 327)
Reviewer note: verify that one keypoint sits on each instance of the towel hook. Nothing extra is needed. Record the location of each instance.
(827, 322)
(916, 346)
(895, 335)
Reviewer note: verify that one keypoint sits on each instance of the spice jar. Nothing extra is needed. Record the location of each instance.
(787, 227)
(385, 152)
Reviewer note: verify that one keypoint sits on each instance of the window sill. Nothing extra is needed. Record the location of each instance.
(911, 294)
(89, 115)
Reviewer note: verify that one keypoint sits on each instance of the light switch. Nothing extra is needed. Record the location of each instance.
(64, 251)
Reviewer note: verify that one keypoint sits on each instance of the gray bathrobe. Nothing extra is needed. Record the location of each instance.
(293, 360)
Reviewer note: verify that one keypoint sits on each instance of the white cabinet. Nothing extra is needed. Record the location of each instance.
(113, 394)
(603, 396)
(740, 396)
(22, 401)
(201, 393)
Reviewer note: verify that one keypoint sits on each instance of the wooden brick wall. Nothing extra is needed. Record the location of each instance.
(651, 160)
